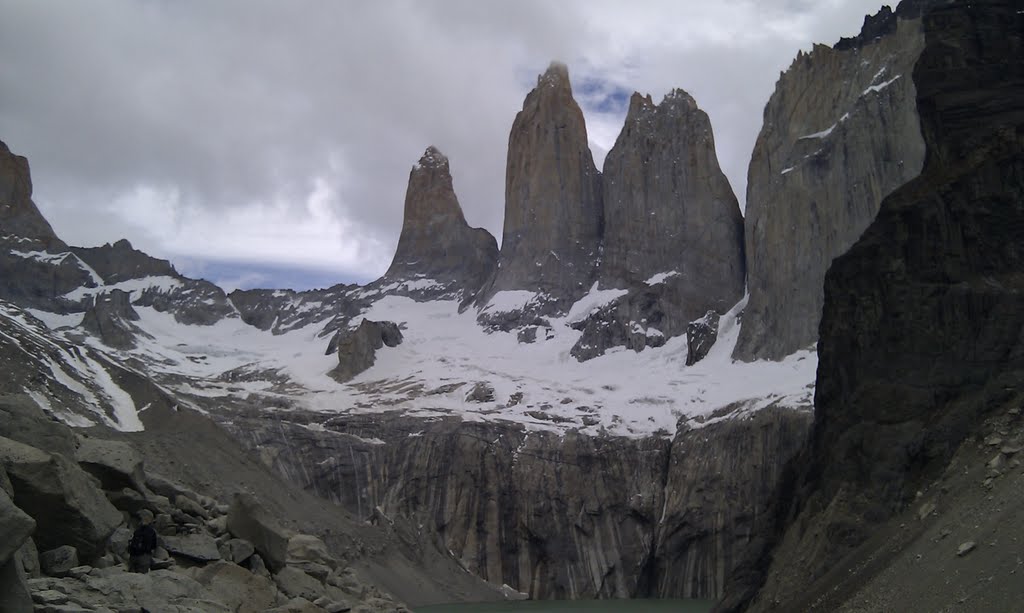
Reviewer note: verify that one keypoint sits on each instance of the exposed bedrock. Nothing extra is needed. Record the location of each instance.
(555, 516)
(553, 211)
(922, 336)
(840, 132)
(357, 349)
(436, 243)
(669, 207)
(109, 318)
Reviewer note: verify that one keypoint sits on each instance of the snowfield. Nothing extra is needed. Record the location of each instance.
(444, 355)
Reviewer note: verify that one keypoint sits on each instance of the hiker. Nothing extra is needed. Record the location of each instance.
(142, 544)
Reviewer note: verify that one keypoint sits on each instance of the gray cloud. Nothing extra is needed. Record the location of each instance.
(273, 132)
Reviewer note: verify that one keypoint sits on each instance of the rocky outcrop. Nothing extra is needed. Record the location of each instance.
(669, 208)
(121, 262)
(840, 132)
(357, 349)
(19, 216)
(436, 244)
(553, 516)
(701, 334)
(553, 211)
(280, 311)
(109, 318)
(35, 265)
(921, 336)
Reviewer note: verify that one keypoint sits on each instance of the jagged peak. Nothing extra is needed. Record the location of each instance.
(639, 103)
(678, 98)
(432, 158)
(556, 76)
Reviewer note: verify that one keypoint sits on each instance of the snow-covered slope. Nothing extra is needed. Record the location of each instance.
(445, 356)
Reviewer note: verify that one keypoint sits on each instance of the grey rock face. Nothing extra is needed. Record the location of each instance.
(436, 243)
(109, 318)
(281, 311)
(19, 216)
(840, 132)
(669, 207)
(357, 348)
(700, 336)
(921, 330)
(198, 547)
(534, 509)
(553, 211)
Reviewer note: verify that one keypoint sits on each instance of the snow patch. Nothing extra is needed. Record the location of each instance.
(661, 277)
(880, 86)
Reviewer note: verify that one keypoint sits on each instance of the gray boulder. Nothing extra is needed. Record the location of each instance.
(14, 592)
(198, 547)
(296, 584)
(59, 561)
(240, 550)
(116, 464)
(15, 527)
(63, 499)
(357, 348)
(22, 420)
(248, 519)
(237, 588)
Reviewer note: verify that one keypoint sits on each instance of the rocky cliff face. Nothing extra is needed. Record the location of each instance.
(921, 336)
(436, 243)
(34, 264)
(554, 516)
(840, 132)
(553, 211)
(662, 182)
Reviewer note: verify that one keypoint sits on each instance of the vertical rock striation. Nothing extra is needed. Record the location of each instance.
(840, 132)
(436, 243)
(922, 335)
(553, 210)
(669, 207)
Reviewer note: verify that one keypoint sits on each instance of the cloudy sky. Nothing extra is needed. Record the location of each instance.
(267, 143)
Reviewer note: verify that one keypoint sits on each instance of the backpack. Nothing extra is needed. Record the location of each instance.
(139, 543)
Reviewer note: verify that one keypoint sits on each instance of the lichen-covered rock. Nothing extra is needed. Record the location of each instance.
(436, 244)
(669, 207)
(553, 210)
(357, 349)
(840, 132)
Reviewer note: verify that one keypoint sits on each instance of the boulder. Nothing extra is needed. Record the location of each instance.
(248, 519)
(68, 507)
(198, 547)
(59, 561)
(700, 336)
(241, 550)
(116, 464)
(190, 506)
(22, 420)
(357, 348)
(308, 548)
(28, 556)
(296, 584)
(14, 591)
(15, 527)
(237, 588)
(296, 605)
